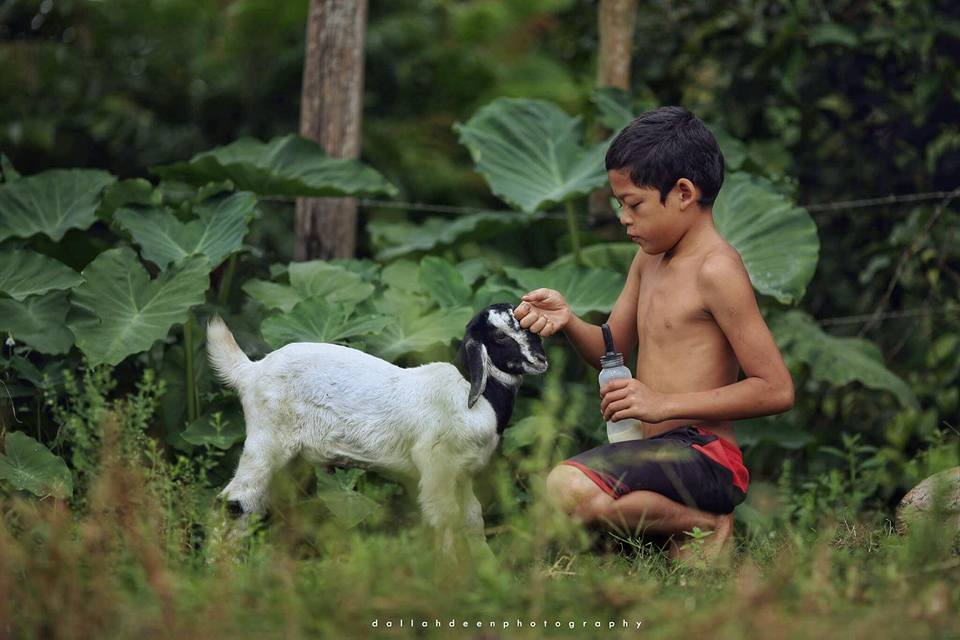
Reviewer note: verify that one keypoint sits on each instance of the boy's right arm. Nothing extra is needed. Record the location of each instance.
(545, 311)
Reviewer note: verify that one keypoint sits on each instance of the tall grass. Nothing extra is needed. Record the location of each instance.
(137, 554)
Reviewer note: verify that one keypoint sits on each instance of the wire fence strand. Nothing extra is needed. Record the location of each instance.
(822, 207)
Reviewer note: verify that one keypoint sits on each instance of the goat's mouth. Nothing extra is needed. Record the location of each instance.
(535, 367)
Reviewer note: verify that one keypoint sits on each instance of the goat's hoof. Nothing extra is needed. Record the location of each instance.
(233, 507)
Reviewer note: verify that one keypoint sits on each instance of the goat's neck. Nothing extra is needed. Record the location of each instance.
(501, 393)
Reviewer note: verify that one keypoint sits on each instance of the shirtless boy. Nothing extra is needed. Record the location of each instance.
(689, 309)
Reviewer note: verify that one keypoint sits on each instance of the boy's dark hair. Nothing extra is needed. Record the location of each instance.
(666, 144)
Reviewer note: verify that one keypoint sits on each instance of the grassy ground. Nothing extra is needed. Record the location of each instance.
(135, 559)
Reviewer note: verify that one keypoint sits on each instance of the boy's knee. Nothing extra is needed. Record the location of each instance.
(571, 490)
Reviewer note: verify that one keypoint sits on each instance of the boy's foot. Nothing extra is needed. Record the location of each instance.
(708, 549)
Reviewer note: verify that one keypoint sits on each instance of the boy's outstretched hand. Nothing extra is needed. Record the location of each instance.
(543, 311)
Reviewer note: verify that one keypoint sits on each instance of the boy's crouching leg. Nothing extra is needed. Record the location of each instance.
(571, 491)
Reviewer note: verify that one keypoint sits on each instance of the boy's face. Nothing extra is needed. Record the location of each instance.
(653, 225)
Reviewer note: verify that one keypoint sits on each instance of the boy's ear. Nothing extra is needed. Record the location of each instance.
(687, 192)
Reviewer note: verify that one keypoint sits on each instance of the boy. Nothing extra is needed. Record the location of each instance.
(689, 303)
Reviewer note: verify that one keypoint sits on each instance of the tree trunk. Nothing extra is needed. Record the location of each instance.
(617, 21)
(330, 113)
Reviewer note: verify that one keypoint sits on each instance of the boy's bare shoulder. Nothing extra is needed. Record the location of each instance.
(722, 266)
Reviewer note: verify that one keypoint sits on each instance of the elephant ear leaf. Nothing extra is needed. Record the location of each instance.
(217, 233)
(29, 466)
(7, 172)
(38, 321)
(26, 273)
(444, 283)
(51, 203)
(585, 289)
(531, 152)
(284, 166)
(776, 239)
(837, 360)
(119, 311)
(318, 320)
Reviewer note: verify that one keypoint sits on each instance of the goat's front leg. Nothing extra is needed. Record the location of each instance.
(473, 522)
(438, 495)
(246, 493)
(472, 511)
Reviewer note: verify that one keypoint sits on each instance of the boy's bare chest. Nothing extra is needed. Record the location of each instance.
(669, 305)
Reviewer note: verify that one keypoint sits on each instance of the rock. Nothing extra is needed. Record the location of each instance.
(918, 503)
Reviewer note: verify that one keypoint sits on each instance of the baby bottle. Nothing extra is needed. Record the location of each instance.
(612, 367)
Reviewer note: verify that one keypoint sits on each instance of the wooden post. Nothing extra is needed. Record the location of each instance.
(617, 21)
(331, 113)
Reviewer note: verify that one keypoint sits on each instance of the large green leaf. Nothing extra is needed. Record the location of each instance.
(28, 465)
(836, 360)
(218, 231)
(7, 172)
(611, 256)
(409, 332)
(39, 321)
(120, 311)
(584, 289)
(530, 152)
(776, 239)
(335, 283)
(287, 166)
(393, 239)
(126, 192)
(613, 107)
(348, 506)
(273, 295)
(52, 202)
(443, 283)
(316, 278)
(26, 273)
(317, 320)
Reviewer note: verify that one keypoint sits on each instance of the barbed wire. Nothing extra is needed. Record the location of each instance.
(903, 313)
(843, 205)
(819, 208)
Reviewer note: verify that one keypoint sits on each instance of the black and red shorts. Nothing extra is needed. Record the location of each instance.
(689, 465)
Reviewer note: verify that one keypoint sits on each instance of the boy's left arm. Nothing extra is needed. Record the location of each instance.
(767, 387)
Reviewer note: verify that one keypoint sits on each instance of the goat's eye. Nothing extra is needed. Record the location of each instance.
(502, 339)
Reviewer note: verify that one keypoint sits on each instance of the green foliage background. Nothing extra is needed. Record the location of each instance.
(108, 105)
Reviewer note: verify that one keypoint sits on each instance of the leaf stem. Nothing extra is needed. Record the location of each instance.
(574, 233)
(188, 351)
(226, 280)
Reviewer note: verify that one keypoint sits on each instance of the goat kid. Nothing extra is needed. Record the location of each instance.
(339, 406)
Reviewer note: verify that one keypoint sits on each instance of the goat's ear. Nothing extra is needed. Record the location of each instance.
(475, 355)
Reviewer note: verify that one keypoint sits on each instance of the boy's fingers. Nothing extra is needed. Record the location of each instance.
(612, 397)
(538, 326)
(536, 294)
(613, 385)
(529, 319)
(522, 309)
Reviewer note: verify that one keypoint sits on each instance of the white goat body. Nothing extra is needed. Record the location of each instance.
(337, 405)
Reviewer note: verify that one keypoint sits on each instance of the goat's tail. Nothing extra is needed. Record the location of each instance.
(226, 358)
